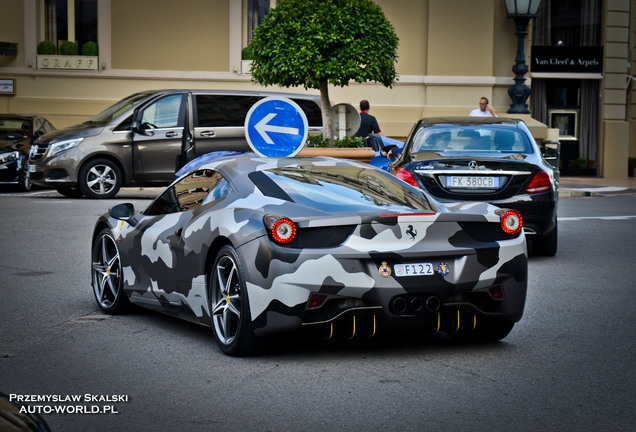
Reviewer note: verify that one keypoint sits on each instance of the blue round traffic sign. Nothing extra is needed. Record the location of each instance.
(276, 127)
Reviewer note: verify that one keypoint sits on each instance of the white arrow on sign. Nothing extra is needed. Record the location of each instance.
(262, 128)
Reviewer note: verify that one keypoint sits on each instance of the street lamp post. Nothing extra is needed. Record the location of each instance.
(522, 11)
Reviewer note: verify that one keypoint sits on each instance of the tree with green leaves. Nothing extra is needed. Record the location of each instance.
(315, 43)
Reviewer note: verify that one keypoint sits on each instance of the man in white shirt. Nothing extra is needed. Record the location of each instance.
(484, 110)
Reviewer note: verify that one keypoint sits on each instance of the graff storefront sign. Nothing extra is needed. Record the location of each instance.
(67, 62)
(567, 59)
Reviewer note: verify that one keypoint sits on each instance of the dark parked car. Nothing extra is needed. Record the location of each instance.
(16, 417)
(255, 247)
(494, 160)
(17, 133)
(144, 138)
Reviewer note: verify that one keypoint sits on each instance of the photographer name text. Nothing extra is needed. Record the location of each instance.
(86, 398)
(86, 403)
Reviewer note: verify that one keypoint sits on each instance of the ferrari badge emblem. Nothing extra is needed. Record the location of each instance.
(411, 232)
(385, 270)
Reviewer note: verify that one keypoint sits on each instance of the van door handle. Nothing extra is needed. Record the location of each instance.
(208, 134)
(171, 134)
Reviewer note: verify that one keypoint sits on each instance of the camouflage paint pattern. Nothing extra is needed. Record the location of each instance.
(166, 259)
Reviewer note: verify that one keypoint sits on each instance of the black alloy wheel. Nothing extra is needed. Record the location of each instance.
(229, 306)
(107, 275)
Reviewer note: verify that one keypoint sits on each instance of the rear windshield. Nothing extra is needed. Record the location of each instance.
(337, 189)
(120, 107)
(486, 138)
(14, 128)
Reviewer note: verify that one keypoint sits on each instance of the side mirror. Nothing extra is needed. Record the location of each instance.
(141, 128)
(550, 150)
(123, 212)
(136, 127)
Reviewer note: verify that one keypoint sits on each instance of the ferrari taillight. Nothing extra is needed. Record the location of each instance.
(405, 175)
(540, 183)
(511, 222)
(283, 230)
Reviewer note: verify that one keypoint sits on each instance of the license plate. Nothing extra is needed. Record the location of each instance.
(475, 182)
(31, 168)
(417, 269)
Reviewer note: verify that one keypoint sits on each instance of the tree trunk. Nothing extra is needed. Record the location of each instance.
(325, 105)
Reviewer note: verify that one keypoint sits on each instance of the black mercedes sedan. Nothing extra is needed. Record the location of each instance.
(17, 133)
(491, 159)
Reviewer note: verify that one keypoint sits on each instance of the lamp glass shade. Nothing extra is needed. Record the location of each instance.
(522, 7)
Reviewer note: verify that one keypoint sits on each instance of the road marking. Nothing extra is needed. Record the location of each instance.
(597, 189)
(627, 217)
(28, 194)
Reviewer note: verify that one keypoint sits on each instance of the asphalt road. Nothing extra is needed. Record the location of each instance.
(569, 364)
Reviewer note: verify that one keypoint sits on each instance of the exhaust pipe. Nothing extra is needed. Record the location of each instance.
(433, 304)
(416, 304)
(399, 305)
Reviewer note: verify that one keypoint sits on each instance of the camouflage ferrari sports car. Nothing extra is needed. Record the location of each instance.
(254, 247)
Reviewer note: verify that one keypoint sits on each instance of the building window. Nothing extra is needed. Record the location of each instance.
(72, 20)
(568, 23)
(256, 11)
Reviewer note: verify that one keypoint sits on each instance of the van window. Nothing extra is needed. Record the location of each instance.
(164, 113)
(312, 111)
(222, 110)
(119, 108)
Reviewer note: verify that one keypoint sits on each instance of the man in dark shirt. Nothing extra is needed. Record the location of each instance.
(368, 125)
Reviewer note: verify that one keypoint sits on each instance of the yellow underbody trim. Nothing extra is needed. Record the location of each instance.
(354, 328)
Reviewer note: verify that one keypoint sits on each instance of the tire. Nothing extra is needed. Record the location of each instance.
(546, 245)
(229, 306)
(70, 192)
(107, 275)
(99, 178)
(486, 330)
(24, 181)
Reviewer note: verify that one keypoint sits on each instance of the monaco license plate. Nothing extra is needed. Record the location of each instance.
(474, 182)
(416, 269)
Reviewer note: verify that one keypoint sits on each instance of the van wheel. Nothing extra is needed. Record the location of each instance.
(99, 178)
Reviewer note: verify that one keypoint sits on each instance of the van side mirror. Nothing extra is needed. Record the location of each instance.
(123, 212)
(142, 128)
(136, 127)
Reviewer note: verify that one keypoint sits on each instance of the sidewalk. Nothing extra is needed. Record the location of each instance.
(594, 186)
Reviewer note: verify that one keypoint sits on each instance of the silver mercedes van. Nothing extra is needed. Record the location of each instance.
(143, 139)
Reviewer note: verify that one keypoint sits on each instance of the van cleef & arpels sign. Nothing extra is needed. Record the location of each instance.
(561, 59)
